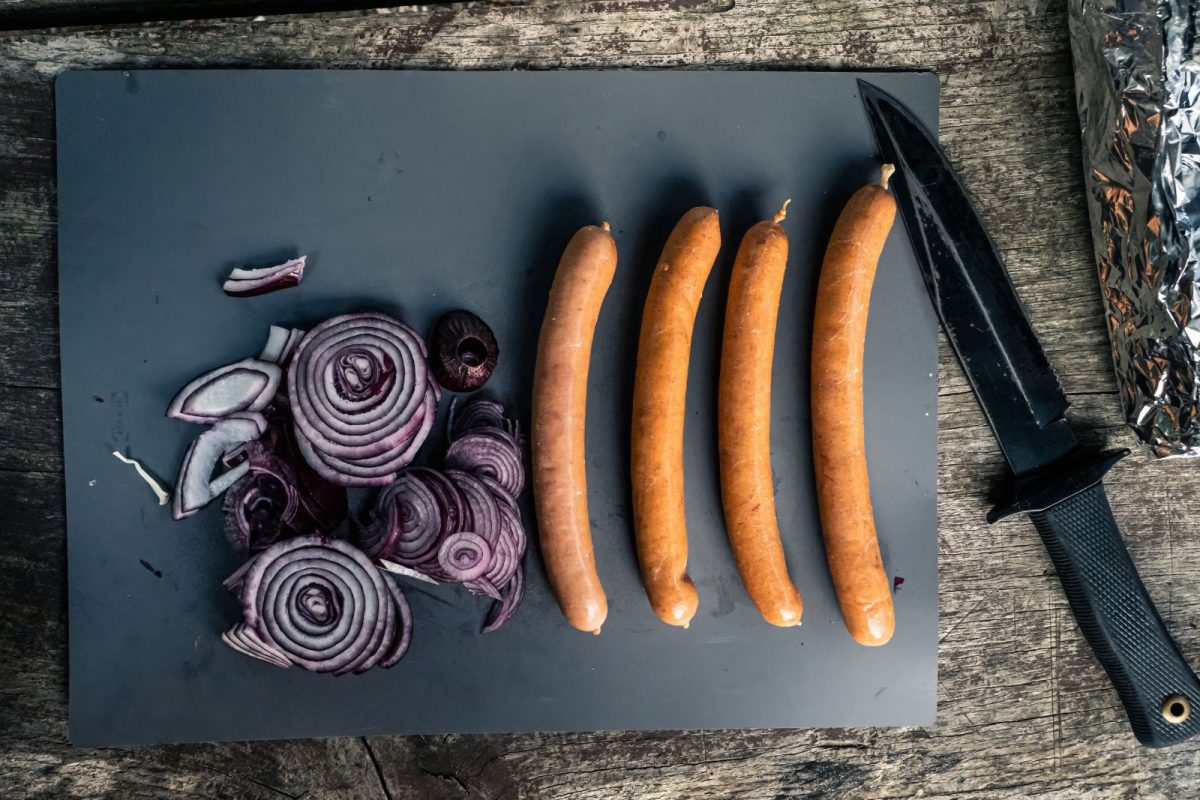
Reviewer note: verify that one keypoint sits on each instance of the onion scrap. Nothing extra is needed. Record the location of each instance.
(155, 486)
(251, 282)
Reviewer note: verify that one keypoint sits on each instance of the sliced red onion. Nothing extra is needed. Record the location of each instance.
(197, 485)
(406, 522)
(362, 398)
(276, 338)
(501, 494)
(475, 414)
(404, 627)
(246, 641)
(482, 587)
(490, 453)
(453, 504)
(465, 556)
(248, 385)
(281, 496)
(322, 605)
(280, 343)
(255, 509)
(251, 282)
(510, 548)
(481, 504)
(462, 523)
(511, 596)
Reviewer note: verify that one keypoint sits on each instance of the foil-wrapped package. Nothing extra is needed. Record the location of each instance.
(1137, 84)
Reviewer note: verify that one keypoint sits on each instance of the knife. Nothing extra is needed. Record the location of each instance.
(1055, 479)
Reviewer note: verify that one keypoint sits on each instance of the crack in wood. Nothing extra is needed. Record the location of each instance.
(383, 786)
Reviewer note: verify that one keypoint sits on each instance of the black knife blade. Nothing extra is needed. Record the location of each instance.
(1056, 480)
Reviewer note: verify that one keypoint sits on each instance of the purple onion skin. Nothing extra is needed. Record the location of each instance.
(463, 351)
(256, 288)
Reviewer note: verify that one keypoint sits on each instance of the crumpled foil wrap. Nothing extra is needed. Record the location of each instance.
(1137, 82)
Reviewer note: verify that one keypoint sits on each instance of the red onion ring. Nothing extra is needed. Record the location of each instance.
(407, 522)
(461, 523)
(476, 414)
(482, 508)
(320, 604)
(362, 398)
(489, 453)
(465, 556)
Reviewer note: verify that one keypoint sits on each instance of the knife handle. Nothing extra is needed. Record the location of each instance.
(1160, 692)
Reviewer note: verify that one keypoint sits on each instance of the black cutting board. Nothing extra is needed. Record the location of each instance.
(416, 192)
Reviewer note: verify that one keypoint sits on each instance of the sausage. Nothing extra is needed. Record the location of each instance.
(839, 449)
(659, 395)
(559, 405)
(744, 421)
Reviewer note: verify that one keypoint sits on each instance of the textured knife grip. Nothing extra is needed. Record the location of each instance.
(1118, 618)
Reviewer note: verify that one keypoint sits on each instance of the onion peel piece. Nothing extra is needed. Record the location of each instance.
(197, 486)
(155, 486)
(252, 282)
(246, 385)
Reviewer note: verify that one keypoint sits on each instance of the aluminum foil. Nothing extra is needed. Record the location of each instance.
(1137, 83)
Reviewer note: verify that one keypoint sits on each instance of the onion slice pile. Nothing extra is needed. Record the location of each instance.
(358, 402)
(362, 398)
(251, 282)
(461, 523)
(320, 604)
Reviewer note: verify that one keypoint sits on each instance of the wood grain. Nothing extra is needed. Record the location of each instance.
(1023, 708)
(33, 14)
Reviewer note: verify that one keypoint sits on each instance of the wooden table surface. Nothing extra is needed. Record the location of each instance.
(1023, 706)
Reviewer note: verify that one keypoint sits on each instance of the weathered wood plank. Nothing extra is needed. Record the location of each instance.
(35, 14)
(1023, 707)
